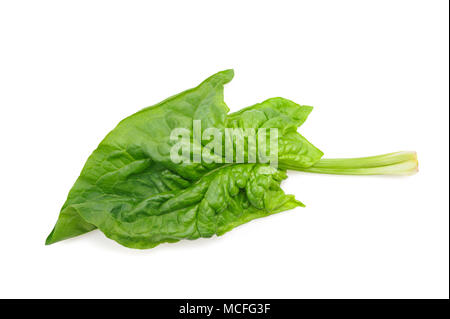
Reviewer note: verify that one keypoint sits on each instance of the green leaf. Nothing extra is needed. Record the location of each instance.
(135, 194)
(130, 176)
(219, 201)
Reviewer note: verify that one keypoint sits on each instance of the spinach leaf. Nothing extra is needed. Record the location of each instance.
(135, 194)
(219, 201)
(133, 162)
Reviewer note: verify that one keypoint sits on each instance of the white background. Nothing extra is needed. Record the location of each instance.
(376, 72)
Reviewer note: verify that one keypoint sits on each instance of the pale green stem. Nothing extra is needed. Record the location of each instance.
(399, 163)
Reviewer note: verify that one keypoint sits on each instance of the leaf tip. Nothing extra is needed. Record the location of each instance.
(49, 239)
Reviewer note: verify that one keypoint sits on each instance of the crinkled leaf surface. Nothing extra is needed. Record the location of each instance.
(221, 200)
(131, 190)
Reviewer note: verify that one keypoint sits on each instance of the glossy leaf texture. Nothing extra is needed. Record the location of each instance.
(221, 200)
(131, 190)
